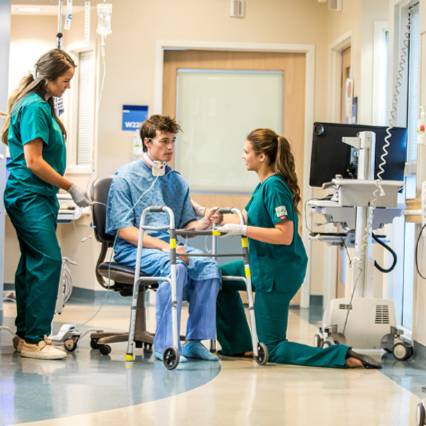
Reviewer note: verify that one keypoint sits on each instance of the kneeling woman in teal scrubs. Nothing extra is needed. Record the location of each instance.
(36, 140)
(278, 263)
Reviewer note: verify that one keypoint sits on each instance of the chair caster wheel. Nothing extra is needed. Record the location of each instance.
(262, 354)
(420, 415)
(70, 344)
(105, 349)
(94, 343)
(171, 358)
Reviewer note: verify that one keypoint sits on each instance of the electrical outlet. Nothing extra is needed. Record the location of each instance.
(423, 205)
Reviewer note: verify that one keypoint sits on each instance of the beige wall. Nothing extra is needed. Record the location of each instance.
(357, 20)
(131, 55)
(130, 59)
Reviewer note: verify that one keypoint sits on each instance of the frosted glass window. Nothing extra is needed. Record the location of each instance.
(217, 109)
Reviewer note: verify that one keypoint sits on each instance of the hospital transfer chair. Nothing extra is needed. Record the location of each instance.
(116, 277)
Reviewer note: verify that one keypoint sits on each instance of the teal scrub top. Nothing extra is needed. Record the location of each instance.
(275, 267)
(32, 118)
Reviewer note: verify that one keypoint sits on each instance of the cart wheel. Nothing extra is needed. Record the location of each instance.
(94, 343)
(262, 354)
(171, 358)
(402, 351)
(147, 347)
(420, 415)
(318, 341)
(105, 349)
(70, 345)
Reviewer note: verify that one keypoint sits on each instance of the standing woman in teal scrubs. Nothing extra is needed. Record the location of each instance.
(277, 260)
(36, 140)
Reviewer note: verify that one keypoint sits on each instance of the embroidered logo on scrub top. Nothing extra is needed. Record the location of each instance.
(281, 212)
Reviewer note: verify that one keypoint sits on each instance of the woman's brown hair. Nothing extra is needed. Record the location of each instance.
(50, 66)
(278, 151)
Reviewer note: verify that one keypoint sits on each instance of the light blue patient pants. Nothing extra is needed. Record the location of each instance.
(201, 295)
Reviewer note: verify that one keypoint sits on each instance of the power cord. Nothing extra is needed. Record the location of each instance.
(347, 252)
(417, 252)
(390, 250)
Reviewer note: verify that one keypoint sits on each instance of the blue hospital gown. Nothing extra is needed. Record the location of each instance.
(126, 193)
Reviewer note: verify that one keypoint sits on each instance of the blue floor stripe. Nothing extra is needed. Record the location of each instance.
(88, 382)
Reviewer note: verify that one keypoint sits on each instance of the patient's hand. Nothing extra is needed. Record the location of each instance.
(214, 216)
(181, 252)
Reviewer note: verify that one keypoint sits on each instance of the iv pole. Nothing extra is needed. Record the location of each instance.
(59, 34)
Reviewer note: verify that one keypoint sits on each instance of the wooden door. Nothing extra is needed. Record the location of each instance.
(293, 67)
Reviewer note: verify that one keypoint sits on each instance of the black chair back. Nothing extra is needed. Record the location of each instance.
(99, 195)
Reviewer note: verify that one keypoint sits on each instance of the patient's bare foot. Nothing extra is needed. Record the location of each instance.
(352, 362)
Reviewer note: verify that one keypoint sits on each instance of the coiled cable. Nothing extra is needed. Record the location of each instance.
(417, 252)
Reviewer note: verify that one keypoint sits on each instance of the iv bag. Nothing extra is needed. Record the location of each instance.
(68, 16)
(104, 19)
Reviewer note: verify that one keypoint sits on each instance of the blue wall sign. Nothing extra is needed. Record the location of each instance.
(133, 116)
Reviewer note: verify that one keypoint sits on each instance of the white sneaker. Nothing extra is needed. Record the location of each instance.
(17, 343)
(41, 350)
(49, 341)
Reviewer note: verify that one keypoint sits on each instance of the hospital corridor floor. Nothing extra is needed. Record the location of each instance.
(92, 389)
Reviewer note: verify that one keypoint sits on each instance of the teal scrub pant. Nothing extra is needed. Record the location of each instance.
(39, 269)
(271, 312)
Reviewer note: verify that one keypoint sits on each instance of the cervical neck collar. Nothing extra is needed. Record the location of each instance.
(147, 159)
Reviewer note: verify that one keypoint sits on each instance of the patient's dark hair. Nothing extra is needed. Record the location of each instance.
(162, 123)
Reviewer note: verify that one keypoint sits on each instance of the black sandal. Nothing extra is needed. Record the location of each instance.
(367, 361)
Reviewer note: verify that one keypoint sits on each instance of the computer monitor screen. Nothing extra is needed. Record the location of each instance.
(331, 157)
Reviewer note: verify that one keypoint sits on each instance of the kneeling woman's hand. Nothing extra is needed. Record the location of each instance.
(233, 229)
